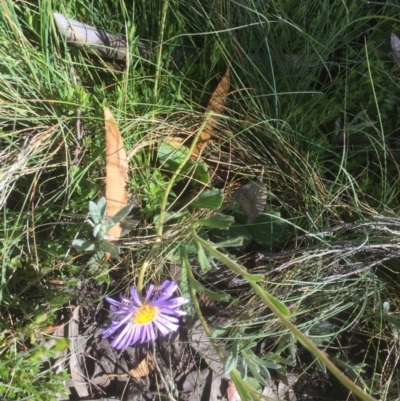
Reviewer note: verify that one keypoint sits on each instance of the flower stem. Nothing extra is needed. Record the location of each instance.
(175, 176)
(160, 50)
(153, 251)
(199, 314)
(235, 375)
(280, 313)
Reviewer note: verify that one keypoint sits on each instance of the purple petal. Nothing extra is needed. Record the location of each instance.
(114, 302)
(149, 292)
(162, 329)
(126, 300)
(168, 286)
(168, 298)
(171, 303)
(166, 290)
(132, 336)
(168, 318)
(166, 321)
(145, 335)
(116, 325)
(165, 327)
(119, 341)
(135, 296)
(152, 334)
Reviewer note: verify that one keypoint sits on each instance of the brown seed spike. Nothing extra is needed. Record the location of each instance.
(216, 105)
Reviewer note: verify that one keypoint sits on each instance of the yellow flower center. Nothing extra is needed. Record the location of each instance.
(145, 314)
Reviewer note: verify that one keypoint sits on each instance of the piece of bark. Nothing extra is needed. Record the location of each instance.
(201, 344)
(77, 359)
(61, 358)
(116, 172)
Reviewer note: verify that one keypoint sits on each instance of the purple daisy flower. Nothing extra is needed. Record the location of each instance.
(138, 317)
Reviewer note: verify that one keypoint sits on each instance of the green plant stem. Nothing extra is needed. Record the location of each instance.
(383, 182)
(175, 176)
(238, 269)
(307, 343)
(158, 240)
(196, 306)
(145, 264)
(235, 374)
(160, 49)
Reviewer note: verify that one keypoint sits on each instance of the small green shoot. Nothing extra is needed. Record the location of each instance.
(101, 225)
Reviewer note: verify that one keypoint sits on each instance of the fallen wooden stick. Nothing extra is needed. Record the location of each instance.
(105, 44)
(97, 41)
(113, 46)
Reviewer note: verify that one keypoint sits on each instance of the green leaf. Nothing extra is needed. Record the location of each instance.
(235, 267)
(216, 221)
(38, 352)
(128, 225)
(284, 361)
(99, 231)
(264, 369)
(236, 230)
(267, 229)
(262, 365)
(171, 157)
(102, 205)
(208, 199)
(254, 384)
(232, 358)
(282, 371)
(191, 248)
(39, 319)
(169, 216)
(393, 319)
(247, 354)
(94, 212)
(278, 304)
(109, 247)
(201, 174)
(253, 277)
(240, 386)
(61, 344)
(96, 260)
(121, 214)
(184, 276)
(248, 346)
(203, 260)
(268, 364)
(82, 245)
(255, 370)
(353, 371)
(58, 301)
(244, 368)
(322, 329)
(233, 242)
(215, 296)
